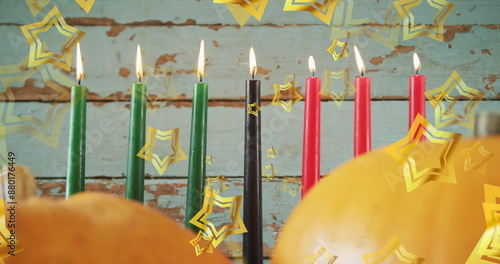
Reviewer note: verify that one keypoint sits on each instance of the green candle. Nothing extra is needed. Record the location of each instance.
(78, 122)
(136, 136)
(198, 145)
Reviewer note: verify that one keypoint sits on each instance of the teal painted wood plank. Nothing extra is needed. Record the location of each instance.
(108, 123)
(169, 197)
(110, 61)
(205, 12)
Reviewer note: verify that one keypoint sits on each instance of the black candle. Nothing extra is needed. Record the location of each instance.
(252, 199)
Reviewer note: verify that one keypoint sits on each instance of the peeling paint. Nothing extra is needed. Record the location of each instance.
(124, 72)
(397, 50)
(451, 31)
(164, 59)
(216, 44)
(488, 81)
(486, 51)
(115, 31)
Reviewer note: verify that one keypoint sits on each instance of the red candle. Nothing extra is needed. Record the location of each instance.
(362, 111)
(312, 131)
(416, 96)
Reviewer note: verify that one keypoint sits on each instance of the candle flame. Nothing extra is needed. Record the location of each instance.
(138, 64)
(312, 65)
(253, 62)
(79, 64)
(359, 61)
(201, 61)
(416, 62)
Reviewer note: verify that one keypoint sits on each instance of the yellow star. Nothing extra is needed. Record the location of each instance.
(385, 33)
(411, 30)
(86, 5)
(254, 109)
(321, 256)
(254, 8)
(36, 6)
(477, 150)
(349, 86)
(421, 166)
(45, 130)
(39, 57)
(209, 159)
(286, 186)
(272, 152)
(200, 219)
(290, 90)
(392, 251)
(195, 242)
(269, 171)
(447, 116)
(323, 10)
(159, 77)
(210, 185)
(160, 164)
(336, 55)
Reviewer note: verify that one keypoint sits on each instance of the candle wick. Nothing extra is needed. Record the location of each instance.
(417, 70)
(313, 73)
(79, 81)
(201, 79)
(253, 75)
(363, 73)
(140, 79)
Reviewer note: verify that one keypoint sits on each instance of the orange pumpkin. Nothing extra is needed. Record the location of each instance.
(364, 211)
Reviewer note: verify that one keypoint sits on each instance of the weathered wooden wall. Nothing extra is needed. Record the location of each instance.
(169, 33)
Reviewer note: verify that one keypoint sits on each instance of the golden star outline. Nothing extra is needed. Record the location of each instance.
(476, 149)
(254, 109)
(195, 242)
(323, 11)
(37, 56)
(209, 160)
(335, 54)
(286, 185)
(210, 185)
(326, 90)
(35, 6)
(200, 219)
(447, 116)
(321, 253)
(272, 152)
(415, 177)
(288, 86)
(393, 247)
(255, 8)
(45, 130)
(86, 5)
(161, 165)
(269, 171)
(411, 30)
(163, 78)
(344, 26)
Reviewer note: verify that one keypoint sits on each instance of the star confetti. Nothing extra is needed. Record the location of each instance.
(272, 152)
(161, 164)
(413, 30)
(440, 96)
(335, 54)
(289, 88)
(326, 90)
(39, 57)
(210, 185)
(254, 109)
(253, 8)
(86, 5)
(287, 182)
(209, 160)
(269, 171)
(392, 252)
(488, 248)
(476, 157)
(35, 6)
(384, 32)
(419, 165)
(158, 77)
(323, 10)
(46, 130)
(321, 256)
(210, 230)
(195, 242)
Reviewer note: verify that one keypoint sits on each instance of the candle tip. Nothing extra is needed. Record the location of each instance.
(312, 65)
(201, 61)
(359, 61)
(416, 62)
(138, 64)
(79, 64)
(252, 62)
